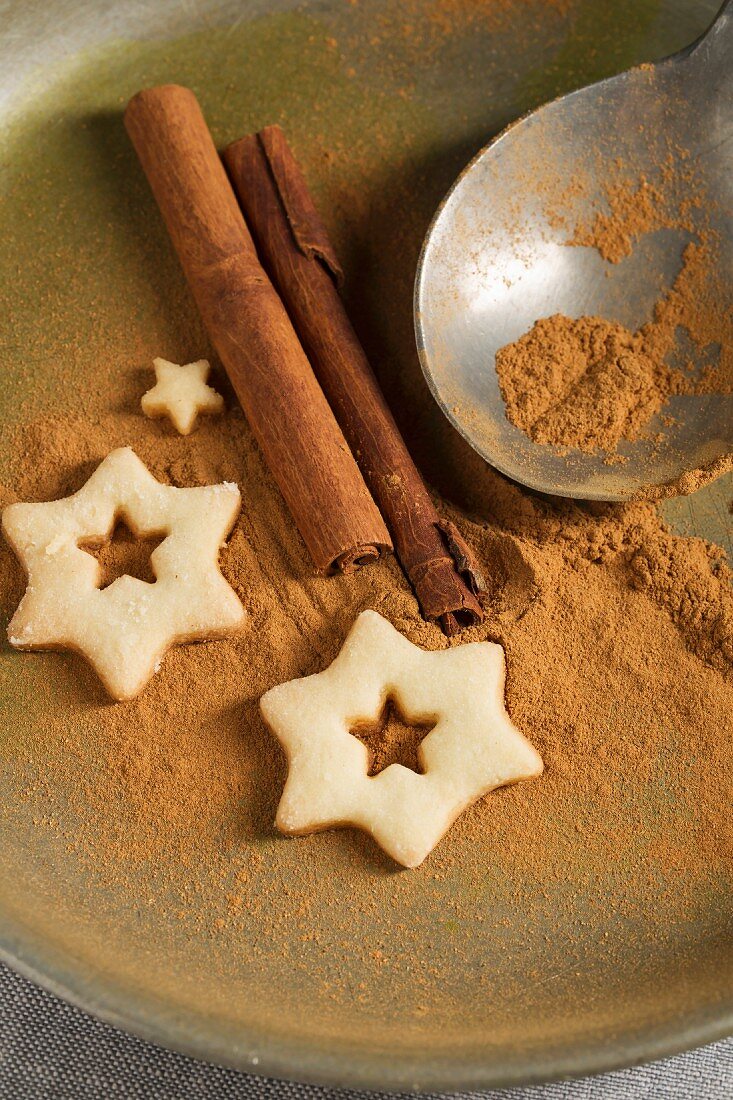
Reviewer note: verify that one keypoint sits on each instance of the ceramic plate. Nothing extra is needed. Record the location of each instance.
(385, 103)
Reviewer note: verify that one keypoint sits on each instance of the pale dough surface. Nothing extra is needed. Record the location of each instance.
(125, 629)
(181, 393)
(473, 748)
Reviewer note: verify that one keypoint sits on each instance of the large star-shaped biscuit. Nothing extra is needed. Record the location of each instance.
(472, 749)
(181, 393)
(125, 629)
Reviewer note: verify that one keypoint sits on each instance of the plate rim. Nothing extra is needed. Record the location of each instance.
(284, 1060)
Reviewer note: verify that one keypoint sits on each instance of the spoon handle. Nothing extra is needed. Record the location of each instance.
(715, 45)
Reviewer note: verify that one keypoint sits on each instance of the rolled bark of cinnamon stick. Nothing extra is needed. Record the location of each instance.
(295, 250)
(302, 443)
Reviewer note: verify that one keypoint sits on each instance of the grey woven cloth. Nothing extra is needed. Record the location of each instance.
(51, 1051)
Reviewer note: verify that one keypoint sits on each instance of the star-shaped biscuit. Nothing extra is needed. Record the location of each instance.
(181, 393)
(472, 749)
(125, 629)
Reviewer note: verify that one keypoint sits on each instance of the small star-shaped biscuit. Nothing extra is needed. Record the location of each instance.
(125, 629)
(472, 749)
(181, 393)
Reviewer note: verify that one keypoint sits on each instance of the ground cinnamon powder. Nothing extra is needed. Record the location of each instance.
(619, 639)
(590, 383)
(586, 384)
(633, 209)
(155, 816)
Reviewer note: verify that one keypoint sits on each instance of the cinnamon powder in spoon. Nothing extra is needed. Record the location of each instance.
(590, 383)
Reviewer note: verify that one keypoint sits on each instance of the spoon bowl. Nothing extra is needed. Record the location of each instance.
(497, 258)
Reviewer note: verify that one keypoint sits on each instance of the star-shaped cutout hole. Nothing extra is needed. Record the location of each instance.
(124, 629)
(472, 749)
(181, 393)
(394, 739)
(124, 555)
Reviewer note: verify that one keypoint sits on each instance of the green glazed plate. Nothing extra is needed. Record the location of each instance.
(385, 108)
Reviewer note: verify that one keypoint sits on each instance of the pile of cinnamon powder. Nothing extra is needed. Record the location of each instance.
(589, 383)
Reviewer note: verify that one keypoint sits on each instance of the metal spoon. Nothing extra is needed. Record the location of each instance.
(494, 261)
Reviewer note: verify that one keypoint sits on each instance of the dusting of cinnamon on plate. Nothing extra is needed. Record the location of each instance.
(619, 641)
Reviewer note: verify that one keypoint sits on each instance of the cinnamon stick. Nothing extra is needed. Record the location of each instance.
(295, 250)
(252, 333)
